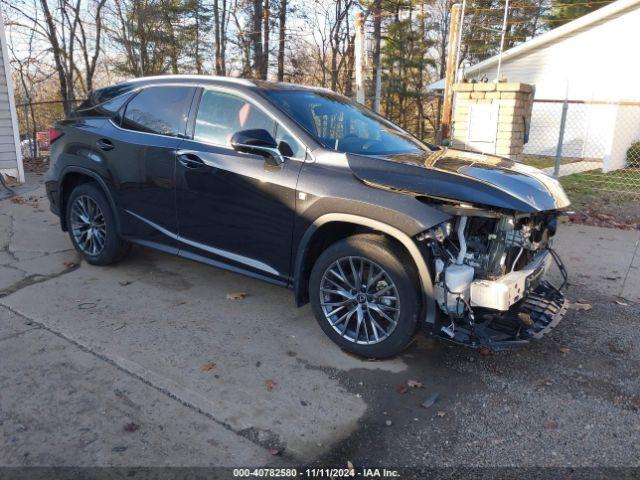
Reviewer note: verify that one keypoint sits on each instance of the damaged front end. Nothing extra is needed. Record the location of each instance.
(489, 277)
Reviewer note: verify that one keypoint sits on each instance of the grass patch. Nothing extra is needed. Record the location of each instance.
(545, 161)
(605, 199)
(617, 185)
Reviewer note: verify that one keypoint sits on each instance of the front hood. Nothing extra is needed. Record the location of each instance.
(463, 176)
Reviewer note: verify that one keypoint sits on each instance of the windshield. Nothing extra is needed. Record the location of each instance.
(341, 125)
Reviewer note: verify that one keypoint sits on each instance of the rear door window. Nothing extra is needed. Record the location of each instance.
(159, 110)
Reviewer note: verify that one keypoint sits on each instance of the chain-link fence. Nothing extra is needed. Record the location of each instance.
(592, 146)
(34, 121)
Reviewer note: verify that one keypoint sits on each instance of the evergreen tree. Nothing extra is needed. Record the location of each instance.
(564, 11)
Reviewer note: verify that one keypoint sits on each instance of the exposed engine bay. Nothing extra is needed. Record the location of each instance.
(488, 276)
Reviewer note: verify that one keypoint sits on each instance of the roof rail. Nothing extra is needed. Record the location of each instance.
(239, 81)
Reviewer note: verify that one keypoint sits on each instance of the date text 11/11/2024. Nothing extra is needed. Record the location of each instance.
(316, 472)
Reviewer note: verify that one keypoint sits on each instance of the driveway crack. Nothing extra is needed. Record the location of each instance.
(34, 279)
(17, 334)
(266, 439)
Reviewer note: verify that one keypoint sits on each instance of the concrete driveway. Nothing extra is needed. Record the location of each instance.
(149, 363)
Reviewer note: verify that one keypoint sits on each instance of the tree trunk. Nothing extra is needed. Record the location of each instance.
(282, 38)
(66, 89)
(266, 17)
(256, 37)
(224, 21)
(197, 56)
(218, 39)
(377, 64)
(348, 81)
(335, 43)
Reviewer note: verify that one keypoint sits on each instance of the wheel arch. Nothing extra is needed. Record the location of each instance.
(350, 224)
(72, 177)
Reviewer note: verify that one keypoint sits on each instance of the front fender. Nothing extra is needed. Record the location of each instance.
(426, 285)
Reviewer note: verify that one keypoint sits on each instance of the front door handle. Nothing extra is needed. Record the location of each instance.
(190, 160)
(104, 144)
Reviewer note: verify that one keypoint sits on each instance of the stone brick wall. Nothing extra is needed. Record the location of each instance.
(515, 103)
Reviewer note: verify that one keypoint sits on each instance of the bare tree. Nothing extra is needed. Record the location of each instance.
(62, 48)
(220, 27)
(26, 68)
(338, 38)
(242, 18)
(256, 37)
(90, 43)
(377, 64)
(282, 25)
(266, 31)
(66, 30)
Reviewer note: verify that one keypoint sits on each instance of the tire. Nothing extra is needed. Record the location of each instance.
(369, 254)
(106, 248)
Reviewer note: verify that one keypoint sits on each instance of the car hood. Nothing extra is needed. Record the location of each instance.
(464, 176)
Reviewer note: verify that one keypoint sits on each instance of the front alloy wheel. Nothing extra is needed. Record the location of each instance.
(359, 300)
(364, 292)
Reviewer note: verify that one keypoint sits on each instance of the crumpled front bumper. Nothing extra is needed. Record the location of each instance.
(538, 314)
(530, 319)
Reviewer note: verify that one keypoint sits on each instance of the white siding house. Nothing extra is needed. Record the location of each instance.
(10, 153)
(593, 58)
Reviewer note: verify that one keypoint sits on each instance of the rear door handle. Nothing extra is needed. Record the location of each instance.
(190, 160)
(104, 144)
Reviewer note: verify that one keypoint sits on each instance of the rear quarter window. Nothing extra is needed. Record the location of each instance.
(108, 108)
(159, 110)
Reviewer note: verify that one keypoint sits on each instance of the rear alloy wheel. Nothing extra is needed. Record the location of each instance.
(365, 297)
(87, 225)
(92, 226)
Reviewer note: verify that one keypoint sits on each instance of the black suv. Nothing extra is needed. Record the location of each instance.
(384, 234)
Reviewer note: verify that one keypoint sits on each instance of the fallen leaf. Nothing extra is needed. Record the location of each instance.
(579, 306)
(275, 451)
(413, 384)
(207, 366)
(440, 413)
(485, 351)
(613, 348)
(270, 384)
(236, 295)
(565, 350)
(526, 319)
(131, 427)
(401, 389)
(430, 400)
(550, 424)
(69, 264)
(544, 382)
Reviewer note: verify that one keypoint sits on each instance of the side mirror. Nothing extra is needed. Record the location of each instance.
(257, 141)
